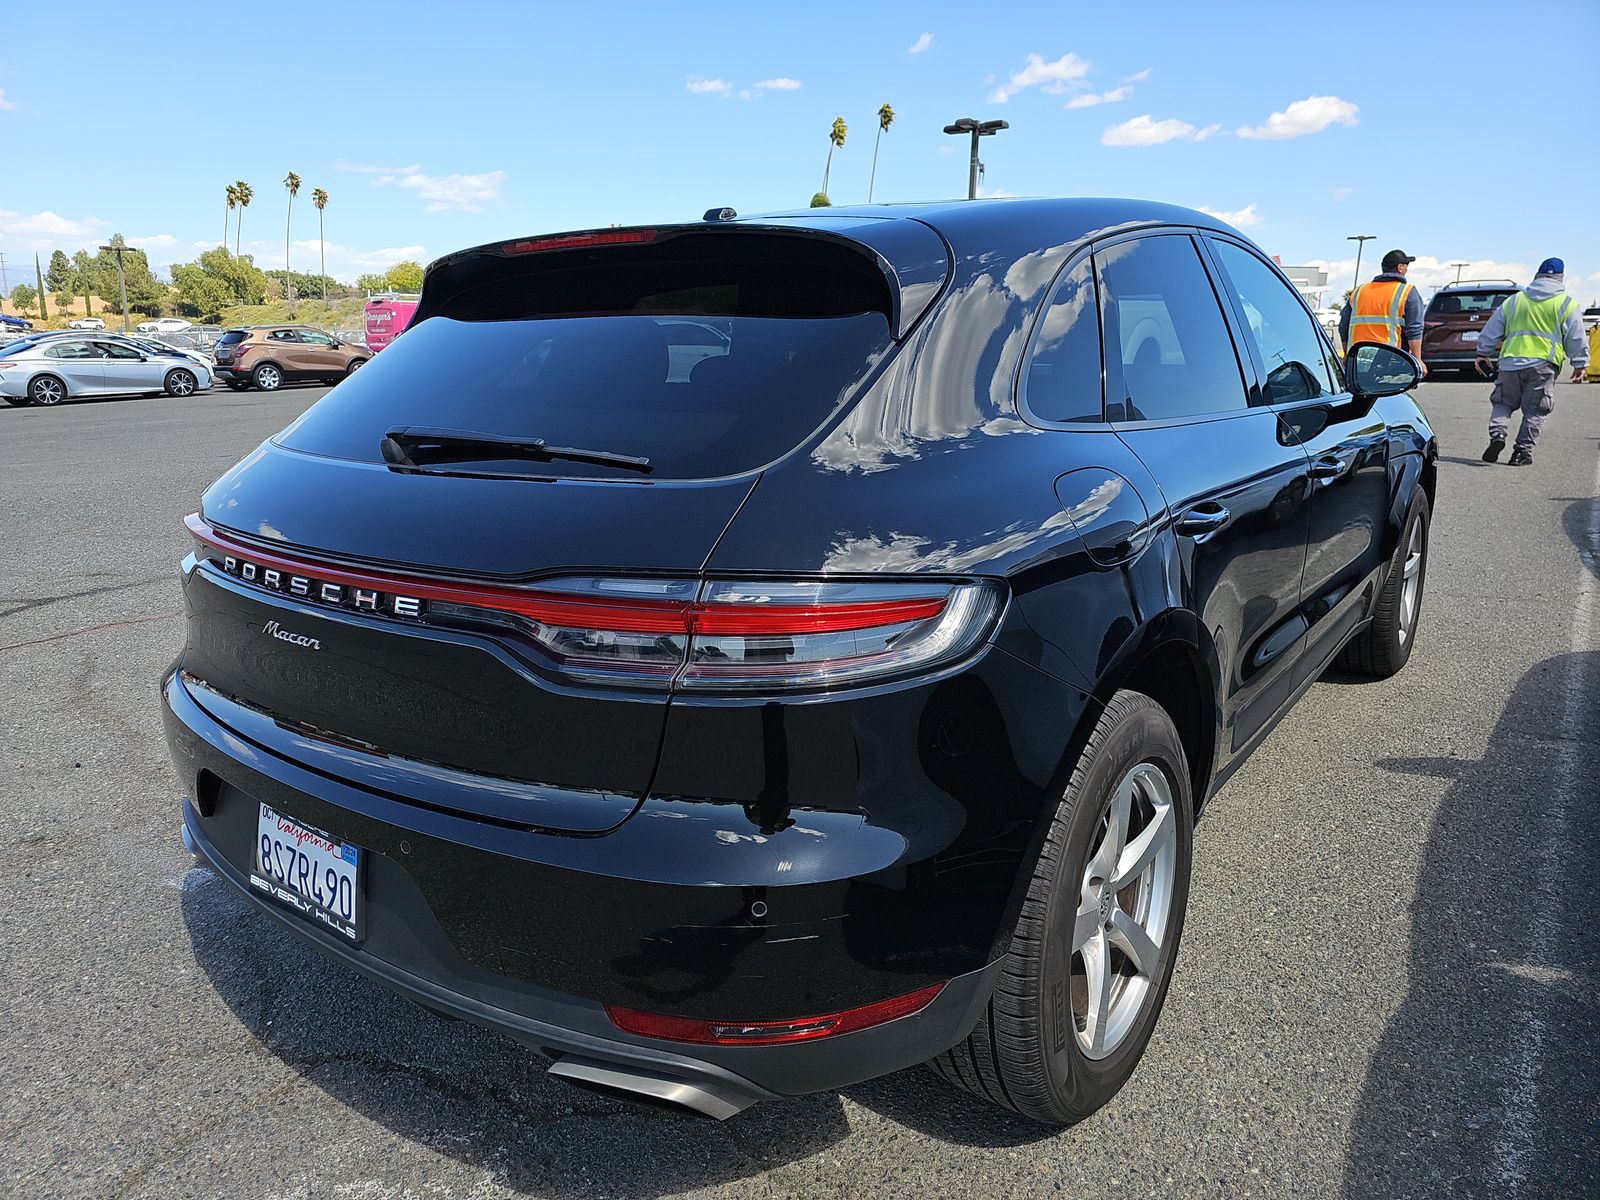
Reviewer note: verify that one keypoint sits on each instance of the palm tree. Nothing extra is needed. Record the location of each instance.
(233, 203)
(292, 182)
(246, 193)
(835, 140)
(885, 119)
(320, 199)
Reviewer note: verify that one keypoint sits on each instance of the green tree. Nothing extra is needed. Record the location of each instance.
(83, 271)
(244, 193)
(58, 276)
(199, 293)
(320, 199)
(144, 289)
(372, 283)
(836, 137)
(885, 119)
(291, 181)
(23, 296)
(404, 277)
(231, 194)
(820, 200)
(244, 281)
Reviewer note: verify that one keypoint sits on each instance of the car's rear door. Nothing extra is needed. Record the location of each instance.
(286, 349)
(1346, 441)
(79, 364)
(1180, 395)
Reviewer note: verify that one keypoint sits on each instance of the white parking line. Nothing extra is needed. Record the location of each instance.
(1515, 1144)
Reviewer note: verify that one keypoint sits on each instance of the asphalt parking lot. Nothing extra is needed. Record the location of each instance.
(1389, 984)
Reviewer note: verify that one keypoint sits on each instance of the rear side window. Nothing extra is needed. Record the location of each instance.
(1063, 380)
(1291, 348)
(1446, 304)
(1168, 353)
(71, 350)
(232, 337)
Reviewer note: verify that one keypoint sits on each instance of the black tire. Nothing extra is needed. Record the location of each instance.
(238, 387)
(181, 382)
(268, 377)
(355, 365)
(1025, 1053)
(1384, 646)
(19, 401)
(46, 391)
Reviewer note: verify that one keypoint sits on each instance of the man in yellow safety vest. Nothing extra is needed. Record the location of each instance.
(1531, 335)
(1387, 310)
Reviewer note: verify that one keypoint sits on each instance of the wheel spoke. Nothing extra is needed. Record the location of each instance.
(1110, 852)
(1138, 854)
(1097, 976)
(1129, 936)
(1087, 923)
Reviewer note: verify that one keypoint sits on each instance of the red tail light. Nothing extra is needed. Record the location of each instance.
(767, 1033)
(719, 635)
(580, 241)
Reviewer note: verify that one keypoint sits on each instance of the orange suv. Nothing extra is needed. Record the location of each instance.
(268, 356)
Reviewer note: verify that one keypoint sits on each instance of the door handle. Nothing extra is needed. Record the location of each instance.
(1329, 466)
(1203, 520)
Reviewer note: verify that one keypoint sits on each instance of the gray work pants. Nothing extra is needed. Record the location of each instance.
(1533, 390)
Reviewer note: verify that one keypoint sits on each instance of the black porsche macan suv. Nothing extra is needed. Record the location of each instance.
(742, 658)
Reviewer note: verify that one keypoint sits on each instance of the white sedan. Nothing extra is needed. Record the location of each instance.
(46, 371)
(164, 325)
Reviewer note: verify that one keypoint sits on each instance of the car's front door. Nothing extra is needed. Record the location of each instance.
(1347, 443)
(320, 353)
(1234, 479)
(129, 370)
(80, 366)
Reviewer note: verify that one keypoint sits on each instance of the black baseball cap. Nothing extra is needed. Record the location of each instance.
(1394, 258)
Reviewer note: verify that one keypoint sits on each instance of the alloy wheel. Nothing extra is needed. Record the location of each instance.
(180, 383)
(267, 378)
(47, 392)
(1124, 909)
(1411, 581)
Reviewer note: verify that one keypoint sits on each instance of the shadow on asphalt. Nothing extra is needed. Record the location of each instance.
(1497, 962)
(470, 1094)
(1579, 520)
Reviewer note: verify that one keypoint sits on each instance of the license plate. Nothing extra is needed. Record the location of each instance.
(306, 870)
(1470, 337)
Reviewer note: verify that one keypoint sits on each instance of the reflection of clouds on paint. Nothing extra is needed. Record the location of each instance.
(1097, 503)
(910, 552)
(1028, 275)
(1073, 300)
(728, 838)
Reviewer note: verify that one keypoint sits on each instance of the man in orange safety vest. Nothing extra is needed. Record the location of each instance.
(1387, 310)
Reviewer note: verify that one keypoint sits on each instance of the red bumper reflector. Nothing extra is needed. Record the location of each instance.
(767, 1033)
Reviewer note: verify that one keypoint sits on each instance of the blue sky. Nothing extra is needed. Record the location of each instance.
(439, 126)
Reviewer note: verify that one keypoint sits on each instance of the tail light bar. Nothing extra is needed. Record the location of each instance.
(580, 241)
(767, 1033)
(692, 635)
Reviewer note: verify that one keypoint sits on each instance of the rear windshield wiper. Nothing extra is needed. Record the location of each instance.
(413, 447)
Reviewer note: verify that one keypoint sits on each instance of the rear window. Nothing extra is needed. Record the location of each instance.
(707, 364)
(1445, 304)
(232, 336)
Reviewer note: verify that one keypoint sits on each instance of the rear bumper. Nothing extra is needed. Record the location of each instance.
(449, 902)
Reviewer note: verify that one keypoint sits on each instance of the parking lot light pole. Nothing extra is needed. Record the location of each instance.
(122, 285)
(1360, 239)
(1458, 264)
(977, 129)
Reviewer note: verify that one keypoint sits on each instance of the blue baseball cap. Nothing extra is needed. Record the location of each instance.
(1552, 266)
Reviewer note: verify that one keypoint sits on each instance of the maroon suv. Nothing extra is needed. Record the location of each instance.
(1456, 316)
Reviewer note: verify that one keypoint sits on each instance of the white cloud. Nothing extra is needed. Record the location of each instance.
(921, 44)
(1090, 99)
(781, 84)
(1145, 130)
(449, 193)
(700, 85)
(1311, 115)
(1136, 77)
(946, 148)
(995, 193)
(154, 241)
(8, 106)
(1052, 76)
(49, 231)
(364, 169)
(1341, 194)
(1241, 218)
(1427, 272)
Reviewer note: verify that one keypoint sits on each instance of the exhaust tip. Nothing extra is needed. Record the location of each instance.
(703, 1098)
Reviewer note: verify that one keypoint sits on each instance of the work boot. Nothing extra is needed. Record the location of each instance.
(1520, 457)
(1492, 454)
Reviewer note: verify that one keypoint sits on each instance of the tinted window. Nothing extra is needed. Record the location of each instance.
(727, 397)
(1445, 304)
(283, 335)
(113, 350)
(1063, 380)
(1291, 348)
(232, 337)
(1167, 349)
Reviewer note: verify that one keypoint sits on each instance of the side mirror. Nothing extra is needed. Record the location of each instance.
(1374, 369)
